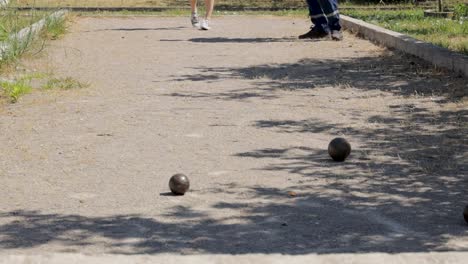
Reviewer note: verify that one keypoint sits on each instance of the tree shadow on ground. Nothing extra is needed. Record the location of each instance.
(233, 40)
(241, 94)
(395, 73)
(242, 40)
(317, 220)
(139, 29)
(405, 184)
(409, 174)
(402, 190)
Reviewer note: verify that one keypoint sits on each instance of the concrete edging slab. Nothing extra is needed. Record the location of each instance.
(28, 32)
(438, 56)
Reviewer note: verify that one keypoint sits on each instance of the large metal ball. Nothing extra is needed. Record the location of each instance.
(465, 214)
(179, 184)
(339, 149)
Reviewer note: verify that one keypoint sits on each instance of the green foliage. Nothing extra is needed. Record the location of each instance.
(55, 27)
(63, 84)
(13, 21)
(386, 15)
(14, 90)
(3, 33)
(447, 33)
(461, 11)
(16, 48)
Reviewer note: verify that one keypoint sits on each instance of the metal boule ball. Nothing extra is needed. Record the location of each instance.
(339, 149)
(179, 184)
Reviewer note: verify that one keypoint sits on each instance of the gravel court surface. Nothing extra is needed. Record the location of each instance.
(246, 111)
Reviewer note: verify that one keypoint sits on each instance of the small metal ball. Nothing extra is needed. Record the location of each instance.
(339, 149)
(179, 184)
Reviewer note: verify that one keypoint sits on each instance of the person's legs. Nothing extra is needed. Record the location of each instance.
(320, 24)
(194, 17)
(193, 6)
(209, 4)
(330, 10)
(209, 8)
(316, 15)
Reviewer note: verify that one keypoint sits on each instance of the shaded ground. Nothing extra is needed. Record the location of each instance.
(247, 111)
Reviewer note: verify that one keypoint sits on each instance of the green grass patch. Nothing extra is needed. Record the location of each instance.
(54, 28)
(461, 11)
(63, 84)
(447, 33)
(13, 21)
(16, 48)
(14, 90)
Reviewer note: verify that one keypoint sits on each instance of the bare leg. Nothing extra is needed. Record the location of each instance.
(209, 8)
(193, 6)
(194, 15)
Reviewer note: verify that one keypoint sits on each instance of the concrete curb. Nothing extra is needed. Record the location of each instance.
(27, 33)
(368, 258)
(438, 56)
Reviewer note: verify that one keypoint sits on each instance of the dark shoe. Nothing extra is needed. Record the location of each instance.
(336, 35)
(314, 34)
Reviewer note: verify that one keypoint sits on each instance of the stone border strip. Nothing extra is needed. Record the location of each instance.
(29, 32)
(438, 56)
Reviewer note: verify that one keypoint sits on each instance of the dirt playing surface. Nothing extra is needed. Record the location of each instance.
(246, 111)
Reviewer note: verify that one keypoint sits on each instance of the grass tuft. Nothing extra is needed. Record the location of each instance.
(12, 21)
(447, 33)
(63, 84)
(54, 28)
(14, 90)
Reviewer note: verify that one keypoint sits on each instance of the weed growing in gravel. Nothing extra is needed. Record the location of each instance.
(12, 21)
(63, 84)
(12, 48)
(14, 90)
(54, 28)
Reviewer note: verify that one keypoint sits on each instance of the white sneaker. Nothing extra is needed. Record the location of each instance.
(194, 19)
(205, 25)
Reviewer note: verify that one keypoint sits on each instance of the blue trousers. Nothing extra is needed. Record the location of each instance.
(324, 14)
